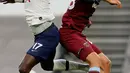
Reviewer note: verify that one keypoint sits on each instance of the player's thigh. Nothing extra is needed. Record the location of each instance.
(94, 47)
(103, 57)
(77, 44)
(93, 57)
(28, 62)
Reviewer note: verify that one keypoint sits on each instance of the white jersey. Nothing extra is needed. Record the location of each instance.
(38, 12)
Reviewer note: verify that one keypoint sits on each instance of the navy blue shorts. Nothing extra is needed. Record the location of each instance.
(45, 44)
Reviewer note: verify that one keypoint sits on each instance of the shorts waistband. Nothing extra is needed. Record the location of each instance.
(41, 27)
(52, 25)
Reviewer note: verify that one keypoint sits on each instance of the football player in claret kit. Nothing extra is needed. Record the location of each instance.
(74, 21)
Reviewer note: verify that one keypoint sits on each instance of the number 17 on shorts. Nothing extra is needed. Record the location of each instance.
(36, 46)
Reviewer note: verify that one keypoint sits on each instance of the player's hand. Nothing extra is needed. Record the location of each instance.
(115, 2)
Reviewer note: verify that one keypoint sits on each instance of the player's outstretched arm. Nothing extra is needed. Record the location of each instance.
(114, 2)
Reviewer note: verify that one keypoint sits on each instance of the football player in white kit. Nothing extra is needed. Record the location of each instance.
(46, 36)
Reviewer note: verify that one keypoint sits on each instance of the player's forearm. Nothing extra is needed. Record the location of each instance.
(114, 2)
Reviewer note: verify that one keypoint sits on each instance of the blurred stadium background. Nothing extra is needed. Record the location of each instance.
(110, 31)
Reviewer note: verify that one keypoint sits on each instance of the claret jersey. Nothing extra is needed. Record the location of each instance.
(78, 13)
